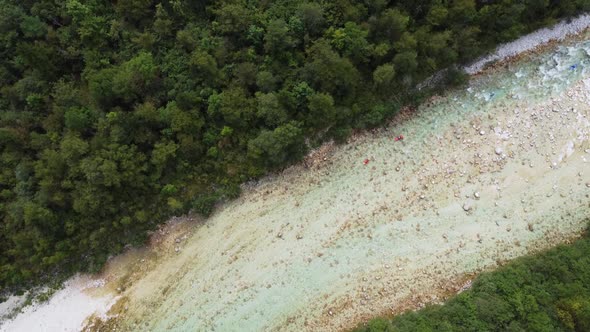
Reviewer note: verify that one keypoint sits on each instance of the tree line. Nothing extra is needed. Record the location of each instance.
(548, 292)
(115, 115)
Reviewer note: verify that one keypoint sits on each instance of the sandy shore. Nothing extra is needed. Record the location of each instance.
(483, 175)
(67, 310)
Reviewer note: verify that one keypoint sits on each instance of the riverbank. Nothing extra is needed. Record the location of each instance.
(530, 42)
(545, 291)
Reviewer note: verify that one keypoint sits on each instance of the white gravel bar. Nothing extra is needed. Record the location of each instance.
(531, 41)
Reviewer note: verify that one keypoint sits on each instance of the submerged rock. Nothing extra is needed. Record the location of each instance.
(467, 207)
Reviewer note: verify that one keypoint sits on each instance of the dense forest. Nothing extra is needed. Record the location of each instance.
(546, 292)
(115, 115)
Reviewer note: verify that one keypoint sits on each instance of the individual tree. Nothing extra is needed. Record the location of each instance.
(270, 110)
(232, 18)
(322, 112)
(390, 25)
(80, 120)
(406, 62)
(277, 38)
(437, 15)
(312, 16)
(135, 78)
(204, 66)
(266, 81)
(329, 72)
(135, 11)
(384, 78)
(245, 74)
(351, 41)
(272, 148)
(233, 107)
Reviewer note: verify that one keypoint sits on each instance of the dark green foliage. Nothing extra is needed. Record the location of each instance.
(377, 115)
(115, 115)
(545, 292)
(204, 204)
(274, 148)
(455, 77)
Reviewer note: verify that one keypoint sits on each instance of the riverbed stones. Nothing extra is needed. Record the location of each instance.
(498, 150)
(467, 207)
